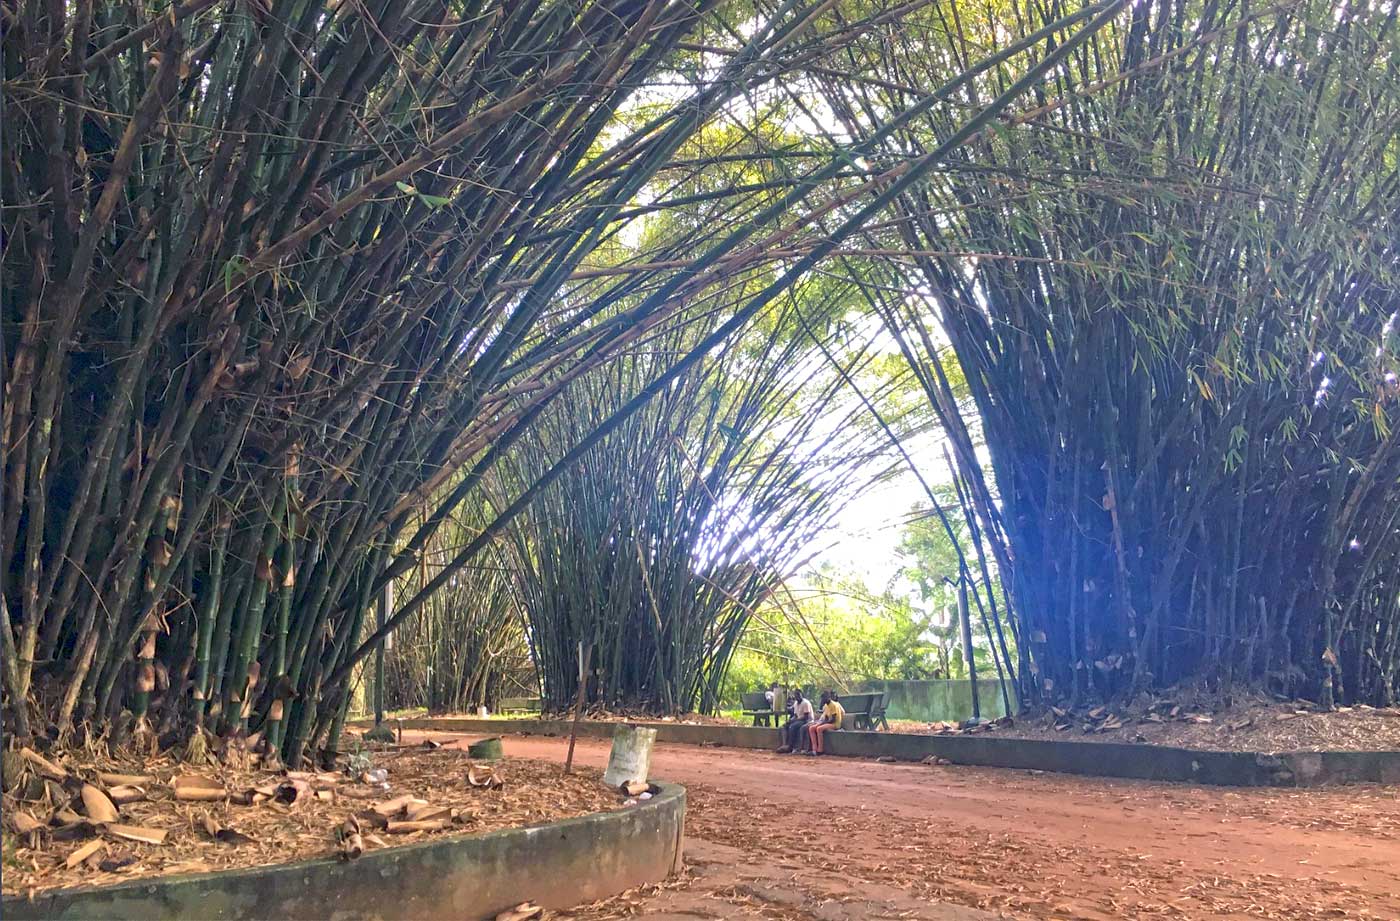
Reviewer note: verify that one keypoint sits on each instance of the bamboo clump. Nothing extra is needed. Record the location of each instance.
(285, 284)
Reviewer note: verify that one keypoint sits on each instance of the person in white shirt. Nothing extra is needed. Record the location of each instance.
(795, 730)
(771, 694)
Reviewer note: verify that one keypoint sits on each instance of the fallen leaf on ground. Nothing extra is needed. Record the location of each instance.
(406, 827)
(351, 846)
(84, 852)
(192, 788)
(396, 805)
(484, 776)
(137, 833)
(292, 792)
(125, 793)
(43, 765)
(522, 912)
(224, 834)
(122, 780)
(261, 793)
(113, 864)
(421, 812)
(97, 806)
(24, 823)
(373, 819)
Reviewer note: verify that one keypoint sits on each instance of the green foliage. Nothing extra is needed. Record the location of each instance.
(830, 630)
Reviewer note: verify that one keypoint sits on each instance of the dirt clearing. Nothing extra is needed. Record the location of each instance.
(834, 839)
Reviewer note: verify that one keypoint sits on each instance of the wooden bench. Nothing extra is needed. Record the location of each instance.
(756, 705)
(520, 705)
(877, 713)
(864, 712)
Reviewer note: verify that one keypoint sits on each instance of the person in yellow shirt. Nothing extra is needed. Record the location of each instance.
(832, 715)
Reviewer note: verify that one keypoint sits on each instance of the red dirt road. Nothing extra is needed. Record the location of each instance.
(914, 841)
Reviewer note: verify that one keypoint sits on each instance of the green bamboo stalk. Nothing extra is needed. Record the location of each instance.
(211, 592)
(238, 690)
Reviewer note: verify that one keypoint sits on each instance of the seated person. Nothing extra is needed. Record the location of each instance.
(832, 715)
(795, 729)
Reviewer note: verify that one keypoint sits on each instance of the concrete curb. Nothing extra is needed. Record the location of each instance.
(556, 865)
(1098, 759)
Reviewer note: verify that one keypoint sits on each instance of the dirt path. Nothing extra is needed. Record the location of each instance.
(914, 841)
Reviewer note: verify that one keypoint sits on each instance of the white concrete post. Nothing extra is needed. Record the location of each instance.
(631, 755)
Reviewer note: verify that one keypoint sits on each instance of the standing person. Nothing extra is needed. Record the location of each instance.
(795, 729)
(832, 715)
(771, 694)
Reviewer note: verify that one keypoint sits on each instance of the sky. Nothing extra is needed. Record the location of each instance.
(866, 533)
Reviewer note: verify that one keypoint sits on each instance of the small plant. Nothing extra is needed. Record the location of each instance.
(360, 761)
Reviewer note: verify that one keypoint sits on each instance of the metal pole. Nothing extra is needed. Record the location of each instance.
(381, 614)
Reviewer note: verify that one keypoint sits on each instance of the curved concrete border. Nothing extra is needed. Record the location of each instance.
(1099, 759)
(556, 865)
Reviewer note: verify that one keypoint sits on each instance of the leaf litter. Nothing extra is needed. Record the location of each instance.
(1187, 719)
(93, 824)
(1022, 875)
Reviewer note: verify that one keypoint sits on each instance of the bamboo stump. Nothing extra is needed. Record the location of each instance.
(486, 749)
(380, 733)
(630, 758)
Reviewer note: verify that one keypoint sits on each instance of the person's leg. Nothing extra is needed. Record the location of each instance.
(787, 736)
(814, 737)
(799, 734)
(817, 738)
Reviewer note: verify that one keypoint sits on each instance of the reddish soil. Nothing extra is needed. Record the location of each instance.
(790, 837)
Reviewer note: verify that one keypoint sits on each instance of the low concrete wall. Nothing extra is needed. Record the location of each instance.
(932, 701)
(557, 865)
(1129, 760)
(727, 736)
(1099, 759)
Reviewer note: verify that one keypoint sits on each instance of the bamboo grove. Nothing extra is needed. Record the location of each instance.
(284, 281)
(656, 549)
(1168, 285)
(466, 648)
(302, 298)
